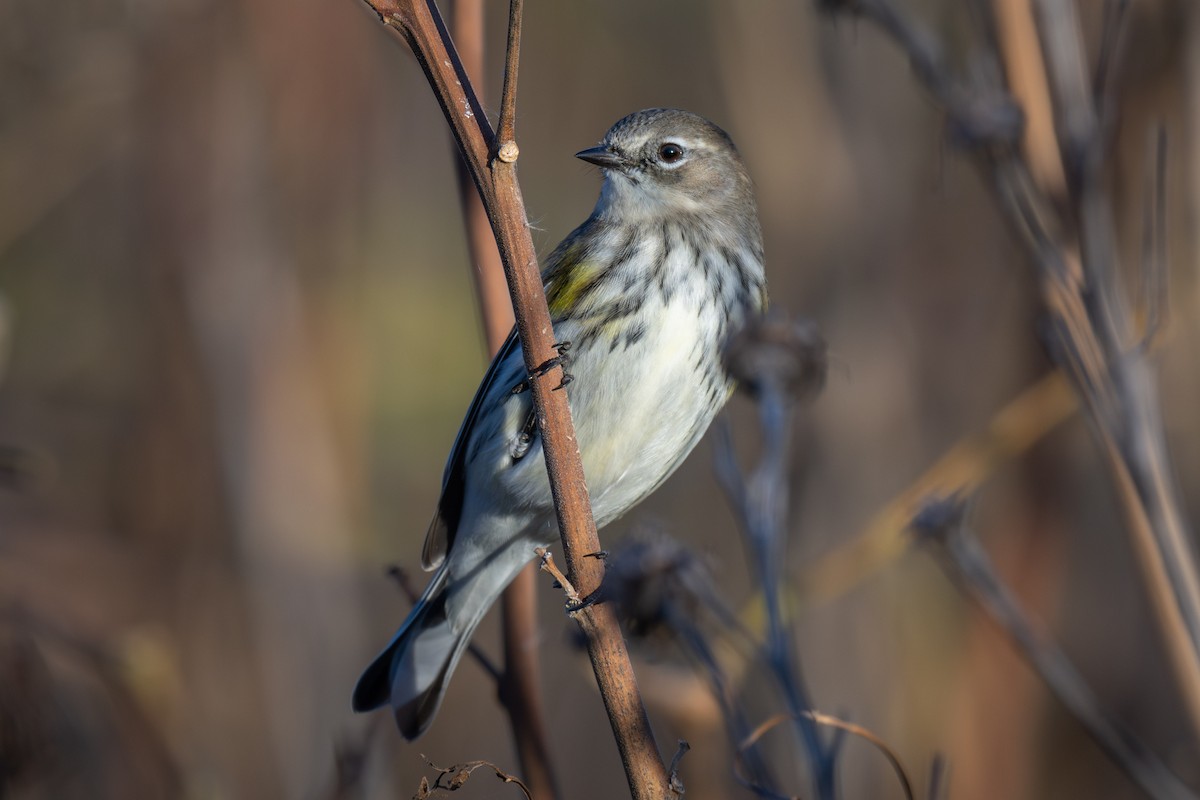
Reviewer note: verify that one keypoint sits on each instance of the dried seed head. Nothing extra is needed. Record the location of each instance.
(787, 354)
(655, 581)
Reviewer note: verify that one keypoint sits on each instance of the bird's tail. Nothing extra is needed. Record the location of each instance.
(412, 672)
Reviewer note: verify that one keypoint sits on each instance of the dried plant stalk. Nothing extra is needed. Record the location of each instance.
(491, 163)
(1071, 245)
(521, 678)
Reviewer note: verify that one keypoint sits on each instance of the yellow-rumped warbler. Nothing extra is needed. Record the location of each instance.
(646, 290)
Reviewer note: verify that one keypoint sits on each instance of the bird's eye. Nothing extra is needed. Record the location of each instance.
(670, 153)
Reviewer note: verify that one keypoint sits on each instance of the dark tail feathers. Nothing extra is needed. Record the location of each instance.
(412, 671)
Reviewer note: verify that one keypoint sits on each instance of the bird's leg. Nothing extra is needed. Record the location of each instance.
(524, 439)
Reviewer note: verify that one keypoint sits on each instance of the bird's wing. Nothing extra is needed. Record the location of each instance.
(441, 531)
(568, 274)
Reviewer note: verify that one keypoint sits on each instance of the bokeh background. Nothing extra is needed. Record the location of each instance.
(238, 334)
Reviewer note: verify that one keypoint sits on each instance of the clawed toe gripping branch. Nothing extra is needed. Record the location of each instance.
(562, 360)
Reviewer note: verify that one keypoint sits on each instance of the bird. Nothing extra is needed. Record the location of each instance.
(644, 293)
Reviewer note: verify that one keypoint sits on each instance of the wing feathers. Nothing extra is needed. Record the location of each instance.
(440, 536)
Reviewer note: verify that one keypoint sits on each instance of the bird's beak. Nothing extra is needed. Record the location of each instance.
(601, 157)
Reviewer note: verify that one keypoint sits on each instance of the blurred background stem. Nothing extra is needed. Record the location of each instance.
(520, 688)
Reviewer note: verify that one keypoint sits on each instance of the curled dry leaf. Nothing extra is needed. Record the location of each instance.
(454, 777)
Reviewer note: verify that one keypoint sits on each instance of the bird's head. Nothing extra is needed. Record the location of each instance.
(665, 162)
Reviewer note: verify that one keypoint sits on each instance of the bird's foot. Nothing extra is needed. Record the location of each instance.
(563, 359)
(581, 603)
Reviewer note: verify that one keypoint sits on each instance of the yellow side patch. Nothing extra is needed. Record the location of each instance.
(565, 287)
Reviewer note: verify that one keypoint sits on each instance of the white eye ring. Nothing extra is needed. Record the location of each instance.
(671, 154)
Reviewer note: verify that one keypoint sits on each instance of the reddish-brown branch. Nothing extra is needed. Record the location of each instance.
(495, 308)
(419, 23)
(520, 684)
(521, 678)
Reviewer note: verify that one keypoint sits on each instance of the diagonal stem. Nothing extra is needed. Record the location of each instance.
(967, 564)
(420, 24)
(518, 685)
(1075, 256)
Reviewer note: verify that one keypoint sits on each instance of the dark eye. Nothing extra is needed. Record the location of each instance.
(670, 153)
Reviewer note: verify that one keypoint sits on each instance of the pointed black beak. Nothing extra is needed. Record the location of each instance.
(601, 157)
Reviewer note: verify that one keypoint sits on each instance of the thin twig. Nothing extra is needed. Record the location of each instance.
(937, 778)
(754, 501)
(495, 307)
(750, 766)
(1009, 28)
(351, 754)
(673, 769)
(941, 526)
(456, 776)
(831, 721)
(547, 565)
(777, 361)
(1103, 83)
(419, 24)
(520, 688)
(1154, 284)
(662, 589)
(506, 134)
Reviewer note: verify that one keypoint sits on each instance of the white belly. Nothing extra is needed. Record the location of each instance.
(638, 409)
(638, 431)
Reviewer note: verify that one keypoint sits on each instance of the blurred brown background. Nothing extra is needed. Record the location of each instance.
(237, 335)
